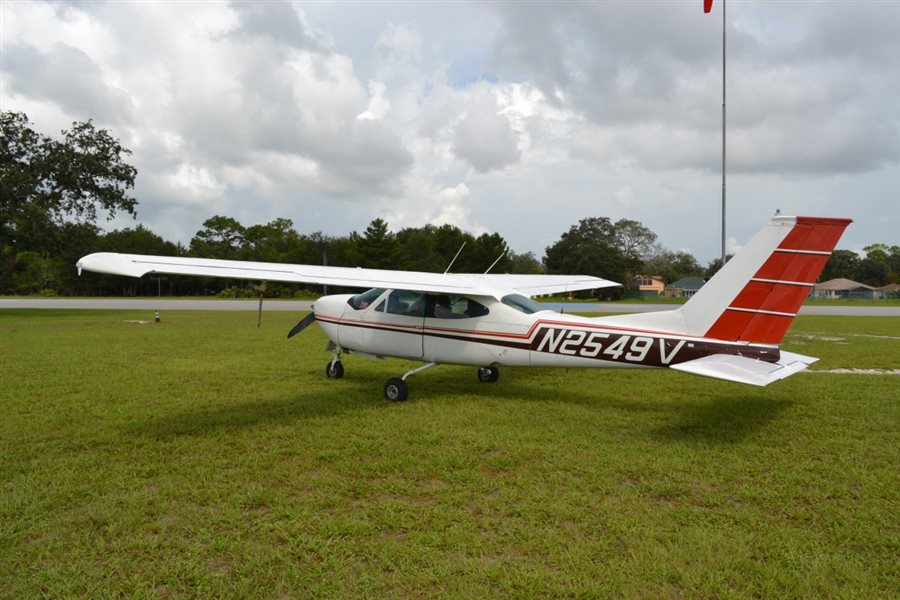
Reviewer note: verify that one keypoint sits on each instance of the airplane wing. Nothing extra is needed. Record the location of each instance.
(137, 265)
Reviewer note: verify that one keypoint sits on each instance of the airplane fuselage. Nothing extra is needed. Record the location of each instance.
(507, 336)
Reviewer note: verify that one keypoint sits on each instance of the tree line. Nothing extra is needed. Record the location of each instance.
(52, 191)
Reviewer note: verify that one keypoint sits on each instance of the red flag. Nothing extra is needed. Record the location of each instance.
(707, 5)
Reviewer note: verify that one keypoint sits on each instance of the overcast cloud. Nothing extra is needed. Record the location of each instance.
(520, 118)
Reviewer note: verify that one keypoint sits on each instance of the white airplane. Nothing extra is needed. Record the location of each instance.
(730, 329)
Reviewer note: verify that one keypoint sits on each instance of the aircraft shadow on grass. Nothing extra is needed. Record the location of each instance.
(199, 421)
(717, 418)
(722, 419)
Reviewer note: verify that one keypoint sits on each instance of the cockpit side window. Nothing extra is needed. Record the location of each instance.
(405, 302)
(362, 301)
(523, 303)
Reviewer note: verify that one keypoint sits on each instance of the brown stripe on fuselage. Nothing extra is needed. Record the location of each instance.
(662, 351)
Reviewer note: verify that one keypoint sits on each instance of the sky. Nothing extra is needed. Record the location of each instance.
(520, 118)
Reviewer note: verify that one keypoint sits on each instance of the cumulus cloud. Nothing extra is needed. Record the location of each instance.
(484, 136)
(467, 113)
(634, 68)
(65, 75)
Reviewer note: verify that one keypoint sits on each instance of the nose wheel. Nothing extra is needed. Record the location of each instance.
(488, 374)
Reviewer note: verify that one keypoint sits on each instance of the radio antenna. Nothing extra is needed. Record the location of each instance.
(454, 258)
(495, 262)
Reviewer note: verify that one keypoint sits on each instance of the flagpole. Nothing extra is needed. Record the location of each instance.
(723, 132)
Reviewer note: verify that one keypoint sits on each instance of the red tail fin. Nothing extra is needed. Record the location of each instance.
(765, 307)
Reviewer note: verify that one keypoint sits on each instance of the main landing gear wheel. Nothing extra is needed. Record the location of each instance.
(334, 370)
(396, 389)
(488, 374)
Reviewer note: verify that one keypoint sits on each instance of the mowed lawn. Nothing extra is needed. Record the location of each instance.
(203, 457)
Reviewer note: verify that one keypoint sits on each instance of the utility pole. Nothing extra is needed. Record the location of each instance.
(723, 132)
(707, 6)
(159, 285)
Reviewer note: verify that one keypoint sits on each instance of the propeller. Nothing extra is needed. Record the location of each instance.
(303, 324)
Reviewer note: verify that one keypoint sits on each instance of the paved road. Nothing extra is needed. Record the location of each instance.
(150, 304)
(304, 305)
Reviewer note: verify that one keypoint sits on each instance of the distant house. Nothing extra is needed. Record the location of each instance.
(891, 290)
(842, 288)
(685, 287)
(648, 285)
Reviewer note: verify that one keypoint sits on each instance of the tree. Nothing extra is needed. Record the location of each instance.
(417, 245)
(221, 237)
(137, 240)
(635, 241)
(490, 247)
(448, 239)
(841, 264)
(714, 265)
(589, 248)
(276, 241)
(878, 251)
(46, 183)
(672, 266)
(377, 247)
(525, 263)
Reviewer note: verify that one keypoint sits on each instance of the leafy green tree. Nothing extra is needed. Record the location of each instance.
(417, 246)
(276, 241)
(35, 272)
(714, 265)
(525, 263)
(448, 239)
(672, 266)
(841, 264)
(878, 251)
(377, 247)
(888, 256)
(893, 264)
(138, 240)
(221, 237)
(45, 183)
(634, 241)
(490, 247)
(588, 248)
(872, 271)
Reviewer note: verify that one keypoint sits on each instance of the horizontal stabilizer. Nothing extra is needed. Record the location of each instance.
(741, 369)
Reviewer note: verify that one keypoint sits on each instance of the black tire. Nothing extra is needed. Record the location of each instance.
(488, 374)
(334, 370)
(396, 390)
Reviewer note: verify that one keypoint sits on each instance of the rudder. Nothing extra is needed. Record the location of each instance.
(763, 309)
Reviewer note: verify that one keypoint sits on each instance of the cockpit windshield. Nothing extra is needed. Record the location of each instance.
(523, 303)
(361, 301)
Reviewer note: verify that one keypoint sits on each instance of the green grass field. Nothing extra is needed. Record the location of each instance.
(204, 457)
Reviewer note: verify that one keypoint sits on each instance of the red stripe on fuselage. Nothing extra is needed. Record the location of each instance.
(505, 334)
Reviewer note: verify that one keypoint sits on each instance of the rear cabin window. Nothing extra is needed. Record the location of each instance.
(523, 303)
(445, 306)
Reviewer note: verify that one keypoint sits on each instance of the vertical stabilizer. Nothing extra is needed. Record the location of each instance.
(756, 295)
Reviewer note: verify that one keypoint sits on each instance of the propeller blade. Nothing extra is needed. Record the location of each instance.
(303, 324)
